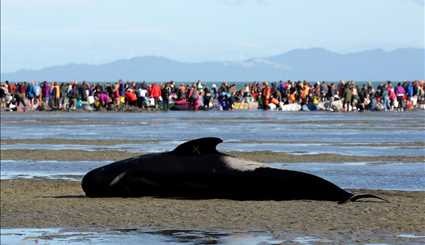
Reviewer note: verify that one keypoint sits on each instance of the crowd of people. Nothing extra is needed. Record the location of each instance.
(281, 95)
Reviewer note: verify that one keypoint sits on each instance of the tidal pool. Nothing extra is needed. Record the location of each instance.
(177, 237)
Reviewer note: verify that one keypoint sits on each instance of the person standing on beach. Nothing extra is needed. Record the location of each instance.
(116, 95)
(121, 88)
(64, 99)
(30, 94)
(73, 95)
(165, 93)
(45, 90)
(324, 88)
(304, 92)
(155, 93)
(267, 93)
(410, 91)
(192, 96)
(400, 92)
(56, 94)
(355, 95)
(207, 98)
(332, 92)
(22, 88)
(386, 98)
(347, 95)
(141, 95)
(37, 97)
(391, 95)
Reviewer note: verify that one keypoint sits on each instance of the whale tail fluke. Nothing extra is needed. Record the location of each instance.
(355, 198)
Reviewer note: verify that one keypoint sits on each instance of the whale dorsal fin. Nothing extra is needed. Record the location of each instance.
(198, 146)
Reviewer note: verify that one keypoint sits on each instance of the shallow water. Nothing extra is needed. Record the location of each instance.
(358, 134)
(358, 175)
(293, 148)
(29, 169)
(177, 237)
(389, 176)
(311, 131)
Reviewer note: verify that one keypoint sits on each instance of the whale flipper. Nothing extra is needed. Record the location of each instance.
(198, 147)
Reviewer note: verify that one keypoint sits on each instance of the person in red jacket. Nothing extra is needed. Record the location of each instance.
(155, 93)
(267, 93)
(131, 97)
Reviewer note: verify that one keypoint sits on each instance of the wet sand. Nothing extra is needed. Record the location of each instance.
(68, 118)
(262, 156)
(44, 203)
(76, 141)
(55, 203)
(67, 155)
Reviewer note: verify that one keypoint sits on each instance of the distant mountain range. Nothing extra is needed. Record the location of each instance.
(299, 64)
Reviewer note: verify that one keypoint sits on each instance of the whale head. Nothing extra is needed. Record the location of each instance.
(106, 180)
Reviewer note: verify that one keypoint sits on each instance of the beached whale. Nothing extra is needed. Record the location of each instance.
(195, 169)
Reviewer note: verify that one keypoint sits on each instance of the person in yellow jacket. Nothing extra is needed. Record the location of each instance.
(56, 94)
(305, 92)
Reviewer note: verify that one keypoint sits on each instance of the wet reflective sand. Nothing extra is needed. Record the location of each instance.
(47, 204)
(188, 237)
(45, 154)
(370, 133)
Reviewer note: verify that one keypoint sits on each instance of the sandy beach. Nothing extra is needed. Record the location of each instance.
(43, 203)
(57, 203)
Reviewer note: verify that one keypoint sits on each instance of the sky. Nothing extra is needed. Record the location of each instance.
(42, 33)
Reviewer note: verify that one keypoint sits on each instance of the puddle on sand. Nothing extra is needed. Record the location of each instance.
(408, 235)
(366, 175)
(132, 236)
(136, 236)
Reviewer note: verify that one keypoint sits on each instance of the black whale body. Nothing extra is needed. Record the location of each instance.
(196, 169)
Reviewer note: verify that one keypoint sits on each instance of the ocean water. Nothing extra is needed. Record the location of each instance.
(355, 134)
(301, 133)
(292, 148)
(188, 237)
(363, 134)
